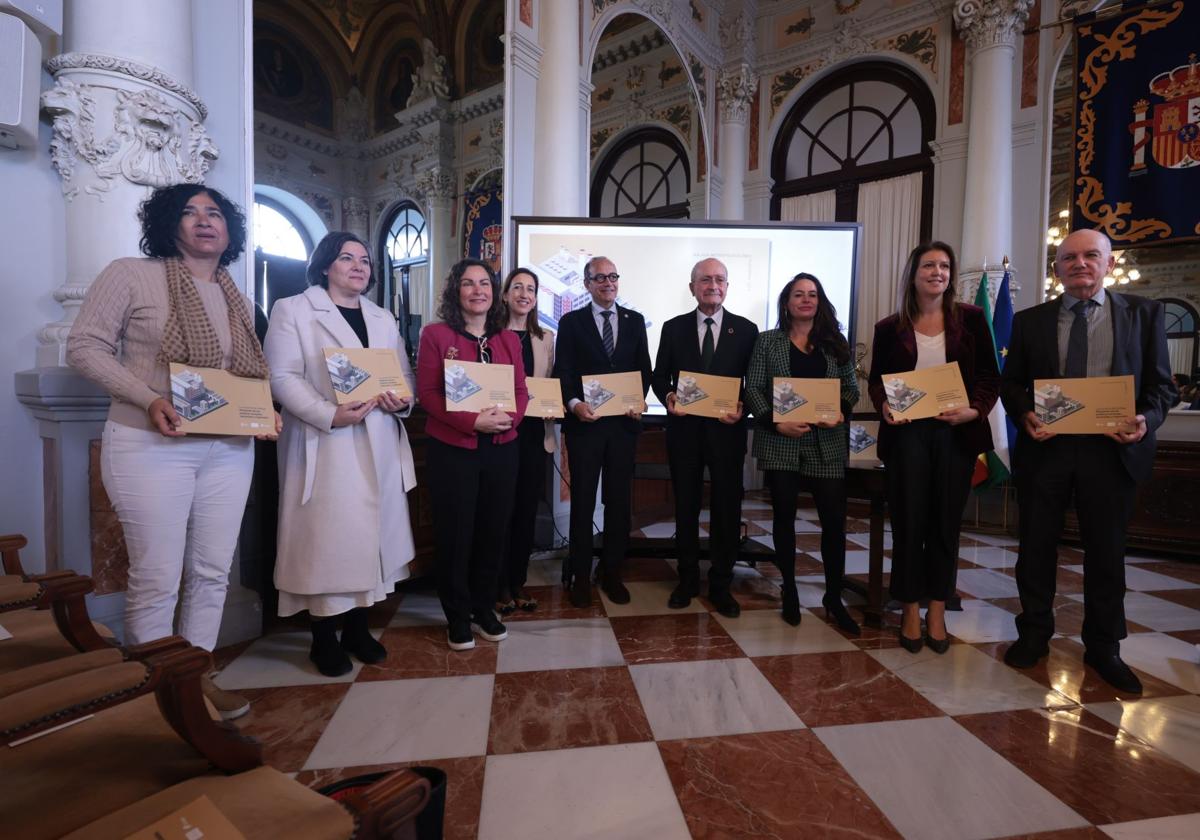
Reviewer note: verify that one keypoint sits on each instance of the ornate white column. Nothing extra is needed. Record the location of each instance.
(990, 28)
(436, 188)
(559, 144)
(735, 91)
(125, 121)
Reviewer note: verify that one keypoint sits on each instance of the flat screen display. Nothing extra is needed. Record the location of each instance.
(655, 259)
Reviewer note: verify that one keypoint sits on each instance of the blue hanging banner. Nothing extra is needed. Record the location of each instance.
(483, 226)
(1137, 125)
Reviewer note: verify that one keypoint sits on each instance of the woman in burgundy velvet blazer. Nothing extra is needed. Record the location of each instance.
(930, 461)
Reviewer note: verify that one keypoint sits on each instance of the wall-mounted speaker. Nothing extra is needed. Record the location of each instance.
(20, 83)
(45, 17)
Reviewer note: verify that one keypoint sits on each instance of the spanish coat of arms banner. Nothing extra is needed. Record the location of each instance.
(483, 226)
(1137, 125)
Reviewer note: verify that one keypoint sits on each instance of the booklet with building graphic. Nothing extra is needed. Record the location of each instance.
(360, 373)
(211, 401)
(706, 395)
(545, 397)
(864, 440)
(613, 394)
(797, 400)
(1090, 406)
(927, 392)
(475, 386)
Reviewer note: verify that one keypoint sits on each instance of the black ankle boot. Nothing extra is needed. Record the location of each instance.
(325, 652)
(839, 615)
(791, 604)
(357, 638)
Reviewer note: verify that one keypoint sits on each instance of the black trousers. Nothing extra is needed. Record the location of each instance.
(471, 492)
(605, 452)
(1088, 469)
(928, 482)
(829, 494)
(529, 492)
(689, 451)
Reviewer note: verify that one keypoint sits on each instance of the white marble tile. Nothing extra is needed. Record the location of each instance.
(754, 506)
(857, 562)
(1172, 724)
(934, 780)
(659, 530)
(765, 633)
(420, 609)
(992, 539)
(811, 589)
(1171, 660)
(620, 792)
(545, 571)
(989, 556)
(713, 697)
(278, 660)
(1159, 614)
(407, 720)
(764, 540)
(558, 643)
(705, 515)
(803, 526)
(865, 540)
(648, 597)
(986, 583)
(1182, 827)
(966, 681)
(979, 621)
(1144, 580)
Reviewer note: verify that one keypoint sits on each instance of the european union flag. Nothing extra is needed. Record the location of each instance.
(1002, 321)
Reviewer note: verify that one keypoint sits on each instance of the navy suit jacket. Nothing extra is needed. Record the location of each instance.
(1139, 348)
(579, 352)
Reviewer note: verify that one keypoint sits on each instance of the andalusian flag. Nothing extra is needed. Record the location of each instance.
(993, 467)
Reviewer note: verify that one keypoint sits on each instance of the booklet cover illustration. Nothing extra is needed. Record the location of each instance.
(900, 396)
(786, 399)
(343, 373)
(595, 394)
(459, 385)
(860, 438)
(688, 391)
(1052, 405)
(191, 397)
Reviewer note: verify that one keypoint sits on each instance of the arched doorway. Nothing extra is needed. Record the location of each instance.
(404, 269)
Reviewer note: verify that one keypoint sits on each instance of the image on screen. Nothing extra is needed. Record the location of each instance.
(655, 259)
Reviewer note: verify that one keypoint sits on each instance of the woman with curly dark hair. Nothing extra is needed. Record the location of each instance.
(806, 343)
(472, 457)
(180, 499)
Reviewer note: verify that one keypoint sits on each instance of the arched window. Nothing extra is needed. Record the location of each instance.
(1183, 335)
(403, 273)
(870, 122)
(646, 175)
(278, 232)
(406, 242)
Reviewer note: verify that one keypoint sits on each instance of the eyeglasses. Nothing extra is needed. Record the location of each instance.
(606, 278)
(485, 354)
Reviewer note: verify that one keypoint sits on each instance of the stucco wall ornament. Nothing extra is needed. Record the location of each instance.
(991, 23)
(735, 91)
(432, 80)
(847, 41)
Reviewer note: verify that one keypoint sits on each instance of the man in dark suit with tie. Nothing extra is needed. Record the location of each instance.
(602, 337)
(1089, 331)
(709, 340)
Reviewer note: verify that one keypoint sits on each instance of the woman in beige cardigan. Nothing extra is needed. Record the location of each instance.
(535, 439)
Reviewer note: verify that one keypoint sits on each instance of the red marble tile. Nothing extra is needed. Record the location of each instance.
(958, 61)
(415, 652)
(1068, 582)
(646, 568)
(1186, 597)
(222, 657)
(878, 638)
(831, 689)
(1103, 774)
(673, 638)
(554, 602)
(381, 613)
(110, 557)
(1176, 569)
(288, 721)
(555, 710)
(1190, 636)
(1063, 670)
(725, 793)
(1086, 833)
(754, 592)
(1068, 615)
(464, 789)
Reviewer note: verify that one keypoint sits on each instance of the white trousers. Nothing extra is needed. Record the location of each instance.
(180, 502)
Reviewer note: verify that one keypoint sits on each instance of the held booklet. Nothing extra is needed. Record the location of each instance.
(360, 373)
(928, 392)
(795, 400)
(706, 395)
(864, 440)
(613, 394)
(545, 397)
(1089, 406)
(211, 401)
(475, 386)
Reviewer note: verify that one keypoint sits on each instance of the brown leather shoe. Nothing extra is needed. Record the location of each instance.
(228, 705)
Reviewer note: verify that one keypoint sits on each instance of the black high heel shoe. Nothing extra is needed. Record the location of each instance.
(791, 606)
(937, 645)
(836, 610)
(910, 645)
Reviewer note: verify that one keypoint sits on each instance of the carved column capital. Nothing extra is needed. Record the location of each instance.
(735, 91)
(991, 23)
(435, 184)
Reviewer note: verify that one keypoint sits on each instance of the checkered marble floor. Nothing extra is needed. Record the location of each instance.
(637, 721)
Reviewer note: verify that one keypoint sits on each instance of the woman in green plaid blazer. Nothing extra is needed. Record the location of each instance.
(806, 343)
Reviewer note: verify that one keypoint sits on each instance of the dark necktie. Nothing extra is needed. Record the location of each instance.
(707, 347)
(607, 335)
(1077, 342)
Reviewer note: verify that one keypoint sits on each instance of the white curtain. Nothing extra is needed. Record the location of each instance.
(890, 213)
(1180, 350)
(420, 301)
(814, 207)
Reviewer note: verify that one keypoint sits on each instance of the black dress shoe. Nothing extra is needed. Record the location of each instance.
(937, 645)
(581, 593)
(682, 595)
(615, 590)
(791, 607)
(329, 657)
(910, 645)
(358, 641)
(837, 612)
(725, 603)
(1113, 670)
(1025, 653)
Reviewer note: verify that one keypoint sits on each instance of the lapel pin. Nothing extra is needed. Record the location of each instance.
(452, 353)
(731, 330)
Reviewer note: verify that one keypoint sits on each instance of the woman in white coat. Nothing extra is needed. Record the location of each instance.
(344, 471)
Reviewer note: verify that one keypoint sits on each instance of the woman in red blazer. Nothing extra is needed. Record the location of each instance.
(930, 462)
(472, 457)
